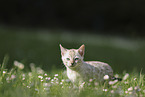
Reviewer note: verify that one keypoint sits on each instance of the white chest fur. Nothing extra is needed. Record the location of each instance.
(74, 76)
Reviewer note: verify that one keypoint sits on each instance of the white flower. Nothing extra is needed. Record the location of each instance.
(90, 80)
(113, 82)
(28, 86)
(45, 74)
(114, 86)
(13, 76)
(56, 75)
(106, 77)
(136, 87)
(57, 82)
(52, 80)
(82, 85)
(125, 76)
(130, 89)
(62, 80)
(112, 91)
(105, 90)
(19, 65)
(55, 78)
(40, 77)
(135, 78)
(47, 78)
(126, 92)
(96, 83)
(23, 78)
(4, 72)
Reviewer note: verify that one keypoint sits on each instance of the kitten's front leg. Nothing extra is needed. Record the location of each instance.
(79, 87)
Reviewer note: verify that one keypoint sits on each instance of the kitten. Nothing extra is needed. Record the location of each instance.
(79, 71)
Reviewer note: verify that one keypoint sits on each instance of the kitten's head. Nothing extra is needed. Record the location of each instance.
(72, 57)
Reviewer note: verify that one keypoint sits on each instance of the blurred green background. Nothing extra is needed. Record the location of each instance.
(42, 48)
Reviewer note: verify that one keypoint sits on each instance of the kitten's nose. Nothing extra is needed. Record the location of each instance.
(72, 63)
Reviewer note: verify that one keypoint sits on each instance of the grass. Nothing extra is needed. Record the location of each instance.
(21, 77)
(15, 82)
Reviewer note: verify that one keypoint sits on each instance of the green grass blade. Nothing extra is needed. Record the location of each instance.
(5, 61)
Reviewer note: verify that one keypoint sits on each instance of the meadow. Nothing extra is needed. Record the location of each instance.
(31, 64)
(38, 83)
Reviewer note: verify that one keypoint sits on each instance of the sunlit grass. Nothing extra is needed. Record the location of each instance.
(39, 83)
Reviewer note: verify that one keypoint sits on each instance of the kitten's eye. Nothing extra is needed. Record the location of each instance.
(76, 58)
(68, 59)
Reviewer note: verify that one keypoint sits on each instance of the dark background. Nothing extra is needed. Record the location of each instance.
(123, 17)
(113, 31)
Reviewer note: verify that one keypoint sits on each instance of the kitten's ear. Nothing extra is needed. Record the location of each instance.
(63, 50)
(81, 50)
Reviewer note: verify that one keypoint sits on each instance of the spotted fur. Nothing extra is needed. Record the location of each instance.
(79, 71)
